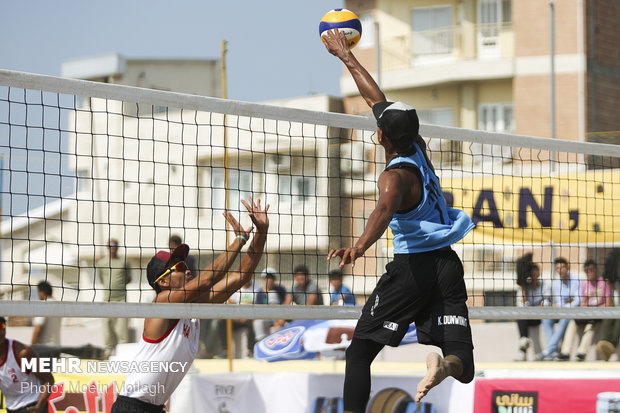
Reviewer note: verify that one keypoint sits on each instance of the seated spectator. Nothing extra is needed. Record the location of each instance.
(562, 292)
(305, 291)
(595, 292)
(532, 288)
(339, 294)
(269, 293)
(610, 328)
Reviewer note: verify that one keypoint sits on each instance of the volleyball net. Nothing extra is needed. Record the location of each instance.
(84, 163)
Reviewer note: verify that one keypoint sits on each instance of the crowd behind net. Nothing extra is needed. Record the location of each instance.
(84, 162)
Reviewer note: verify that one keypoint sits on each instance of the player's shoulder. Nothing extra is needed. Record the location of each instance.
(398, 176)
(22, 350)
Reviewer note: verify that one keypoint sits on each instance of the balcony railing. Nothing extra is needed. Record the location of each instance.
(433, 42)
(456, 42)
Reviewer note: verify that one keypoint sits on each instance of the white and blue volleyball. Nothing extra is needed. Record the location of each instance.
(343, 20)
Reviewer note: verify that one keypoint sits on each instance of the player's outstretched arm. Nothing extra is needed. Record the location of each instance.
(236, 279)
(220, 266)
(390, 197)
(213, 273)
(337, 44)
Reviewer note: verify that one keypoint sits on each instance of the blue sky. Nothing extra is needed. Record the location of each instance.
(274, 50)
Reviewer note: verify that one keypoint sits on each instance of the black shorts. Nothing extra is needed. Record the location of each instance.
(124, 404)
(426, 288)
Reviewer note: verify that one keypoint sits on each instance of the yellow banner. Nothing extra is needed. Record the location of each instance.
(581, 207)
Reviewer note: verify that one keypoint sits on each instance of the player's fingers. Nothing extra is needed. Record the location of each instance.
(333, 253)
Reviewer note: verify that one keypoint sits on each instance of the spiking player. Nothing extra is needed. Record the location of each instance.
(424, 283)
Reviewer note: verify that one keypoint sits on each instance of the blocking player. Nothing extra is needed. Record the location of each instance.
(177, 340)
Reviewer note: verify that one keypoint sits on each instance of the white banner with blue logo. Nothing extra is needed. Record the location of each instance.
(304, 339)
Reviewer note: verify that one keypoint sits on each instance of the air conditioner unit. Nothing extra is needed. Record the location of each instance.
(352, 158)
(278, 162)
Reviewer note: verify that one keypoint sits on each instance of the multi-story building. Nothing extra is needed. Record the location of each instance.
(486, 65)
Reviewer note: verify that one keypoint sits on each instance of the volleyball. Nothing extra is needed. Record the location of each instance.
(343, 20)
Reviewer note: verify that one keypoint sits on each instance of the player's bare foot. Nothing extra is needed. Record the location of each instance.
(435, 373)
(437, 369)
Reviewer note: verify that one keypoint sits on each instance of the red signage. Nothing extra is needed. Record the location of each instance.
(540, 395)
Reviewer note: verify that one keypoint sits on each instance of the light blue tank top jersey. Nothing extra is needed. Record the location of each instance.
(431, 225)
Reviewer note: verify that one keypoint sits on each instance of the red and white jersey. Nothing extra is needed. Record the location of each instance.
(178, 345)
(18, 387)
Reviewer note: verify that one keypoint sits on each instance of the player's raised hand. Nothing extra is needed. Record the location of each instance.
(236, 226)
(336, 43)
(258, 215)
(347, 255)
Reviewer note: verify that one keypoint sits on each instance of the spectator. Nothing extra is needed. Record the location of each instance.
(532, 288)
(114, 274)
(305, 291)
(243, 331)
(23, 392)
(269, 293)
(46, 329)
(595, 292)
(610, 328)
(340, 294)
(563, 292)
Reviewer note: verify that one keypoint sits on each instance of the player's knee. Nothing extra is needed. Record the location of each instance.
(465, 354)
(362, 351)
(355, 352)
(468, 370)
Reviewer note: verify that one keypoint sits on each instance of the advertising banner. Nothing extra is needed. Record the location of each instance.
(224, 393)
(565, 208)
(540, 395)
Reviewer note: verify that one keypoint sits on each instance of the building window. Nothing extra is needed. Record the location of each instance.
(368, 32)
(432, 30)
(239, 187)
(494, 117)
(442, 151)
(295, 189)
(492, 15)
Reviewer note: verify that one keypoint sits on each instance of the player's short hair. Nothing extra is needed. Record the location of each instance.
(588, 263)
(560, 260)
